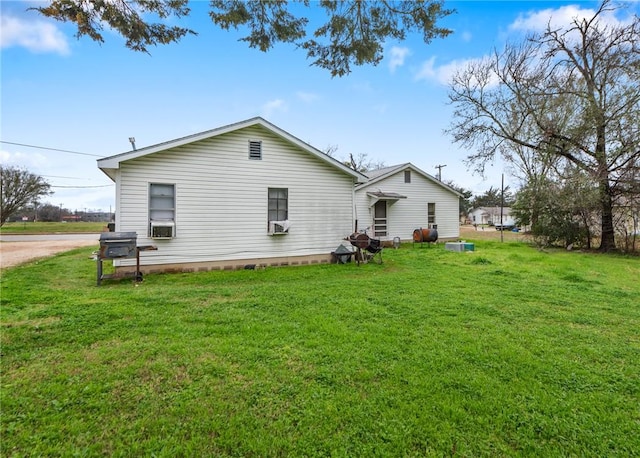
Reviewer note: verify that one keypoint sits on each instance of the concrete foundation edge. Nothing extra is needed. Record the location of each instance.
(225, 265)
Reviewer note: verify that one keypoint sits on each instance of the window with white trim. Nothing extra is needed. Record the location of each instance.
(407, 176)
(162, 210)
(255, 150)
(278, 211)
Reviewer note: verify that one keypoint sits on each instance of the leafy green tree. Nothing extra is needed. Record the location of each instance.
(493, 197)
(568, 93)
(563, 210)
(354, 32)
(50, 212)
(18, 189)
(627, 217)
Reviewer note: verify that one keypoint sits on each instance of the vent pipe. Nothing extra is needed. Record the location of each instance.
(132, 140)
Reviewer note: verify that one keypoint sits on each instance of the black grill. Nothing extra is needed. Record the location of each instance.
(120, 245)
(117, 245)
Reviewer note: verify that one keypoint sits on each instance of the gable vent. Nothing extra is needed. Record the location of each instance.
(255, 150)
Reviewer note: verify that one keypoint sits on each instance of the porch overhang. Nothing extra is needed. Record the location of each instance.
(391, 197)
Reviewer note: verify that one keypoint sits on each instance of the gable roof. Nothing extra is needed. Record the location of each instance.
(371, 174)
(490, 210)
(378, 175)
(109, 164)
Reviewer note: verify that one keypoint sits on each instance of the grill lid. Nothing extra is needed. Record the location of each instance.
(107, 237)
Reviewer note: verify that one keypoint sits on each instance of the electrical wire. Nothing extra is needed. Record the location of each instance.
(85, 187)
(51, 149)
(67, 178)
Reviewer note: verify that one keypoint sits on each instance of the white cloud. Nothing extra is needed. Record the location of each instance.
(533, 21)
(398, 56)
(443, 74)
(28, 161)
(37, 36)
(558, 18)
(273, 106)
(307, 97)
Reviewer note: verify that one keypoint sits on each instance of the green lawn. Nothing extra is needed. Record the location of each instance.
(505, 351)
(43, 228)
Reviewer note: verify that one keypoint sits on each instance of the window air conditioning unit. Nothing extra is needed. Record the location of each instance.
(278, 227)
(163, 229)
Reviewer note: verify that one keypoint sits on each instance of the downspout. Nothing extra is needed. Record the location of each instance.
(355, 207)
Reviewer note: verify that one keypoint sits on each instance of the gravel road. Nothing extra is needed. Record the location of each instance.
(18, 249)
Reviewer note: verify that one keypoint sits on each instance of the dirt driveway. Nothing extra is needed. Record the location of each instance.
(14, 253)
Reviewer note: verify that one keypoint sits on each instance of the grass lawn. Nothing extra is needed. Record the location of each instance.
(499, 352)
(44, 228)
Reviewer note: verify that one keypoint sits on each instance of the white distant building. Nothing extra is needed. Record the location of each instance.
(491, 216)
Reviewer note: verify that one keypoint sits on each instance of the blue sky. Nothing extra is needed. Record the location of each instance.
(77, 95)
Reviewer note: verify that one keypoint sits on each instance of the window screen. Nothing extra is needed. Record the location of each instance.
(431, 213)
(278, 204)
(162, 202)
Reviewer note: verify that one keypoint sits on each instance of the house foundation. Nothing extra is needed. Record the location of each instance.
(253, 263)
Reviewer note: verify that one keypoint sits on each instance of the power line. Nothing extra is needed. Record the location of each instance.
(84, 187)
(51, 149)
(68, 178)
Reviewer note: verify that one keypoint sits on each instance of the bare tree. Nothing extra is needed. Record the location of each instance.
(362, 163)
(330, 150)
(18, 189)
(568, 94)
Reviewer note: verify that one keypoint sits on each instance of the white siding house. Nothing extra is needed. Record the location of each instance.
(491, 216)
(246, 193)
(399, 199)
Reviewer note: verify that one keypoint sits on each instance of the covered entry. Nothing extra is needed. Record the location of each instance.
(380, 218)
(381, 201)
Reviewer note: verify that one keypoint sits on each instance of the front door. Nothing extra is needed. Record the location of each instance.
(380, 219)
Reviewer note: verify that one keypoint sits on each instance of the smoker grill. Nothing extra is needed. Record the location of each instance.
(372, 247)
(120, 245)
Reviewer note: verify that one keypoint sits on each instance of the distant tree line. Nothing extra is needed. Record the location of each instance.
(21, 191)
(48, 212)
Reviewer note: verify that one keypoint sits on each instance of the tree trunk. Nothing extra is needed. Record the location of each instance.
(607, 242)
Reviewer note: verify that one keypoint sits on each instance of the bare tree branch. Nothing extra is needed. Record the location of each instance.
(570, 94)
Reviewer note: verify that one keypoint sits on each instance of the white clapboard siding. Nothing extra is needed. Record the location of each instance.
(406, 215)
(221, 200)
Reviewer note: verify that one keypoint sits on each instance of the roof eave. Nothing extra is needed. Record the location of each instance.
(409, 165)
(113, 162)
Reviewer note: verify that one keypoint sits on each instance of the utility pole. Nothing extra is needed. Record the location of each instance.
(502, 210)
(439, 167)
